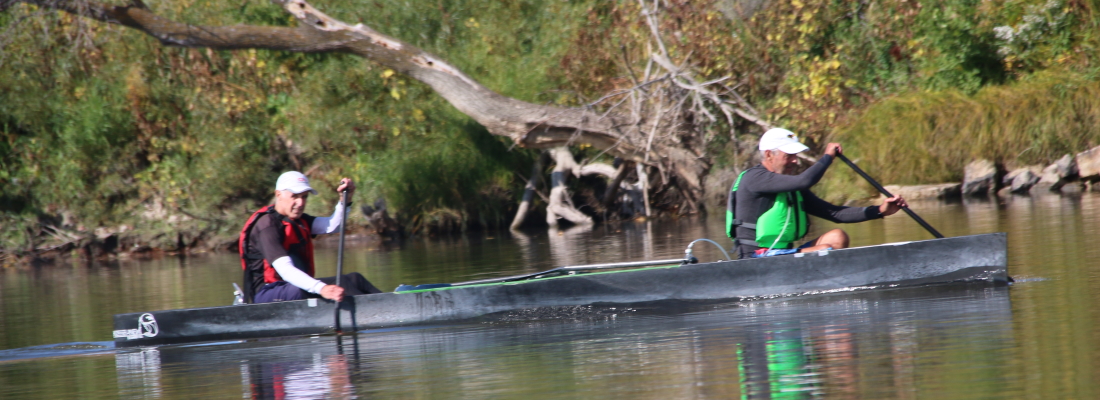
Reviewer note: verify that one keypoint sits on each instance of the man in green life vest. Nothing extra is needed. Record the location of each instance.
(768, 204)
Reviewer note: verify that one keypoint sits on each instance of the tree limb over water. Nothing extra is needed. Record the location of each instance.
(671, 142)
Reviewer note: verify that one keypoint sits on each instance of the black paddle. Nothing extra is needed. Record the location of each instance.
(870, 180)
(340, 251)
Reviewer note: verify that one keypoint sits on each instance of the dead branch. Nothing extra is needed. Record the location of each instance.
(528, 193)
(560, 205)
(672, 142)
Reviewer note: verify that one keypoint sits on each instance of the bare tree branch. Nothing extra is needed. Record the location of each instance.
(529, 125)
(658, 131)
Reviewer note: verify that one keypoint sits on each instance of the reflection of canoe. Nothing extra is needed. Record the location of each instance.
(977, 258)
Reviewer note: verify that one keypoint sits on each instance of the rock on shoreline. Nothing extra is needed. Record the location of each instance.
(1070, 174)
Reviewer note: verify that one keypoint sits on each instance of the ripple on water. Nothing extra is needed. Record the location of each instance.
(57, 350)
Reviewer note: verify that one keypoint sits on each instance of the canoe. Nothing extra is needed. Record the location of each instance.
(970, 259)
(753, 330)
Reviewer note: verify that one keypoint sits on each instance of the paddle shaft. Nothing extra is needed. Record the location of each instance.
(340, 250)
(872, 181)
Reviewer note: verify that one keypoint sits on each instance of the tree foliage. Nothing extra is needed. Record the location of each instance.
(103, 126)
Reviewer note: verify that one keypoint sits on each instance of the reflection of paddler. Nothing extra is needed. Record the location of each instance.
(773, 366)
(786, 364)
(323, 377)
(836, 353)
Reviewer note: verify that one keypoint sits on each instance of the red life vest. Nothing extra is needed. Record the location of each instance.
(297, 240)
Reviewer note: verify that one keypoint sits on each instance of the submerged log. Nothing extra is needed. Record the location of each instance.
(379, 219)
(560, 205)
(528, 193)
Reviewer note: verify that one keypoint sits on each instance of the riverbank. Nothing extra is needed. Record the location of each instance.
(1069, 174)
(99, 121)
(126, 243)
(182, 234)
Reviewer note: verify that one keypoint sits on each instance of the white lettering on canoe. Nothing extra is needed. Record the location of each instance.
(147, 327)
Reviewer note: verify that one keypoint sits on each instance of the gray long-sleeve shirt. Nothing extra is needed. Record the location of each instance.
(758, 188)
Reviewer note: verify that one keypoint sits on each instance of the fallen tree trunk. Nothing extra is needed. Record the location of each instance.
(678, 152)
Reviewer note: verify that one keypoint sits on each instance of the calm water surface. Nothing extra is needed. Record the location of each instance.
(1036, 339)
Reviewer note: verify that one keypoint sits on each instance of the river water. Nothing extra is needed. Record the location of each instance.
(1035, 339)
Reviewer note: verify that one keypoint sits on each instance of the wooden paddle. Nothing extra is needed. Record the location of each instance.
(916, 217)
(340, 251)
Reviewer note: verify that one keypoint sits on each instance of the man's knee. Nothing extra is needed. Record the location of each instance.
(836, 238)
(360, 283)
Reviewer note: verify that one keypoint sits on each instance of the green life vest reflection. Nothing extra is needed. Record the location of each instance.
(775, 364)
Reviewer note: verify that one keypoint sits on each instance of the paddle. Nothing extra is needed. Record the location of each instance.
(870, 180)
(340, 251)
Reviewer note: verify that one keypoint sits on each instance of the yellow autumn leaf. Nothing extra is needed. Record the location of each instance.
(395, 93)
(387, 73)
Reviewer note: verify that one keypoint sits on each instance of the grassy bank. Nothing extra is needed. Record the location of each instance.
(929, 137)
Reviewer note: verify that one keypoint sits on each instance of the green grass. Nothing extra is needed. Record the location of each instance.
(930, 137)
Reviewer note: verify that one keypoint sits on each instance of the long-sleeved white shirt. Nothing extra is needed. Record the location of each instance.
(285, 266)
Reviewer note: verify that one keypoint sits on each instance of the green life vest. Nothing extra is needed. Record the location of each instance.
(778, 227)
(782, 224)
(731, 208)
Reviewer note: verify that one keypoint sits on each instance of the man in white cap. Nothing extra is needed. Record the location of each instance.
(276, 247)
(768, 204)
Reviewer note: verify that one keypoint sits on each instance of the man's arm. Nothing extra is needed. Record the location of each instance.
(840, 214)
(765, 181)
(326, 225)
(290, 273)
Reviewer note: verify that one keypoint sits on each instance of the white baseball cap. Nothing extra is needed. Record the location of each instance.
(295, 182)
(782, 140)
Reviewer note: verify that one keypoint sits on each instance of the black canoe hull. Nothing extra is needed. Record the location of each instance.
(977, 258)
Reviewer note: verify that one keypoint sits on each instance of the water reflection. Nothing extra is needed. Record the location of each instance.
(138, 373)
(579, 245)
(832, 346)
(928, 343)
(322, 377)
